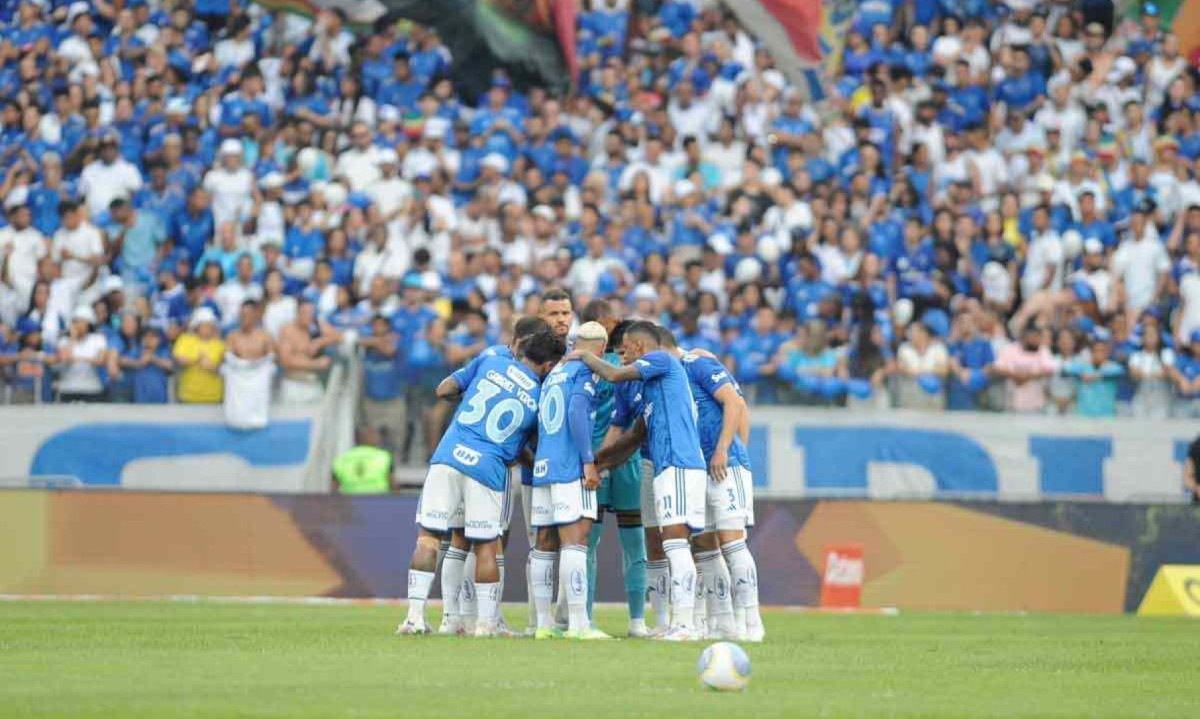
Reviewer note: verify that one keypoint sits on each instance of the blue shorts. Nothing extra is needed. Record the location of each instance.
(621, 487)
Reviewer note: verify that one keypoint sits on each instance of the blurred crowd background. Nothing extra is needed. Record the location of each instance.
(992, 206)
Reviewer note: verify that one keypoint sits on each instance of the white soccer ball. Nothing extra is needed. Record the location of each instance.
(1072, 244)
(725, 667)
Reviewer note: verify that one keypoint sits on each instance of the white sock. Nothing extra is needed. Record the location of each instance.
(683, 581)
(715, 578)
(529, 601)
(700, 613)
(443, 547)
(418, 592)
(658, 584)
(541, 588)
(489, 603)
(574, 570)
(467, 606)
(744, 578)
(500, 564)
(561, 618)
(452, 577)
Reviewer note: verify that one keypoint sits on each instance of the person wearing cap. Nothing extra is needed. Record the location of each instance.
(80, 357)
(230, 184)
(1141, 264)
(22, 246)
(108, 177)
(199, 352)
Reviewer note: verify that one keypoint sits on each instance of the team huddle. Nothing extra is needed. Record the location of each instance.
(625, 422)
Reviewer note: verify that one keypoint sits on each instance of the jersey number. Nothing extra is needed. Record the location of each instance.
(502, 421)
(552, 410)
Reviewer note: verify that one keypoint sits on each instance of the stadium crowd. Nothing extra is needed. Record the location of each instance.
(996, 206)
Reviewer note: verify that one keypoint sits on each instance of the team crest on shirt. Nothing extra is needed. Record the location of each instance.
(718, 376)
(466, 455)
(589, 388)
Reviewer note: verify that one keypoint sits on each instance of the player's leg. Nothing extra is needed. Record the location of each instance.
(742, 567)
(543, 560)
(714, 580)
(633, 555)
(575, 512)
(468, 605)
(510, 494)
(526, 492)
(453, 566)
(441, 498)
(593, 549)
(679, 500)
(483, 509)
(658, 570)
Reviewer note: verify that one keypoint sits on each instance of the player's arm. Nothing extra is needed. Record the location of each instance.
(448, 389)
(616, 451)
(608, 372)
(457, 382)
(733, 409)
(744, 424)
(580, 425)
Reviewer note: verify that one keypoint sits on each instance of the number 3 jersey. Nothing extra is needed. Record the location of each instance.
(559, 455)
(707, 376)
(498, 410)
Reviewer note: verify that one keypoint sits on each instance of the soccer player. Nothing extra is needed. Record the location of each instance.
(620, 486)
(469, 473)
(722, 556)
(565, 479)
(458, 564)
(674, 448)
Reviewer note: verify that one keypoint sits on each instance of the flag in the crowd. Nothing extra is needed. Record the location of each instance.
(359, 13)
(533, 40)
(805, 37)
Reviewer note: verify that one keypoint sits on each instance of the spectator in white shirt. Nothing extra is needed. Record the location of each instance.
(81, 355)
(236, 290)
(109, 178)
(78, 245)
(1141, 263)
(1044, 258)
(21, 245)
(230, 184)
(359, 163)
(390, 193)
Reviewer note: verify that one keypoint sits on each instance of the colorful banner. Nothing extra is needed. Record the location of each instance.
(533, 40)
(359, 13)
(1064, 557)
(805, 37)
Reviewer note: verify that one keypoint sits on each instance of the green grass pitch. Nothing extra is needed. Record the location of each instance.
(162, 660)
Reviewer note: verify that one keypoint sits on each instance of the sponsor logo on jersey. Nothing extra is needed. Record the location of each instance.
(648, 410)
(642, 363)
(522, 379)
(718, 376)
(589, 388)
(466, 455)
(688, 358)
(541, 467)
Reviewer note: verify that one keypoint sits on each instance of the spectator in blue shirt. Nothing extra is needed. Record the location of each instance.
(1023, 90)
(971, 358)
(401, 90)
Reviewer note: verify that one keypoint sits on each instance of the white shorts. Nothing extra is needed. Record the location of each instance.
(510, 497)
(447, 493)
(726, 501)
(563, 503)
(649, 518)
(679, 496)
(748, 489)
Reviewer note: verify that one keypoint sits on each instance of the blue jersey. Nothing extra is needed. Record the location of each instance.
(605, 403)
(706, 377)
(672, 439)
(463, 374)
(559, 458)
(498, 410)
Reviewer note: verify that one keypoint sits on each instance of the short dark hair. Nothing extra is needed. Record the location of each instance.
(617, 336)
(556, 294)
(543, 347)
(596, 310)
(643, 328)
(666, 338)
(529, 326)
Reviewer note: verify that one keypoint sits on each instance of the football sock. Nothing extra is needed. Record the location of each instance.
(574, 569)
(541, 586)
(658, 581)
(700, 613)
(530, 605)
(467, 604)
(452, 578)
(633, 553)
(443, 547)
(500, 564)
(489, 603)
(744, 578)
(592, 551)
(418, 592)
(560, 602)
(683, 581)
(715, 579)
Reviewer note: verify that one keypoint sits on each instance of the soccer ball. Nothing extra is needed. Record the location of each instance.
(725, 667)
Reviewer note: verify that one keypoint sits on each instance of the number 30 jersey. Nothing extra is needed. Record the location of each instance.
(558, 457)
(498, 410)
